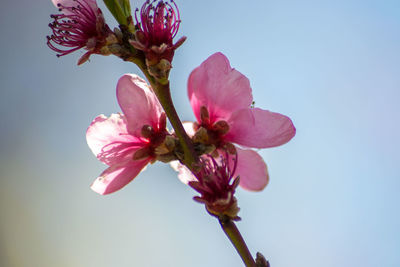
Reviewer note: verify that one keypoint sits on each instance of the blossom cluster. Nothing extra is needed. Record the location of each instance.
(221, 100)
(227, 127)
(215, 153)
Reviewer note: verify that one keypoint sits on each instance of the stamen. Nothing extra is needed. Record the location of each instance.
(74, 28)
(159, 21)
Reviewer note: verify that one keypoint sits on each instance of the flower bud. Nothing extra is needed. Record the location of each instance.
(261, 261)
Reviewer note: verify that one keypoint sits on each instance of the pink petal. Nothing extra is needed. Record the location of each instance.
(117, 176)
(68, 3)
(73, 3)
(252, 170)
(138, 103)
(218, 87)
(109, 139)
(255, 127)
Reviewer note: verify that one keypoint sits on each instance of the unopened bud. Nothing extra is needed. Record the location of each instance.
(261, 261)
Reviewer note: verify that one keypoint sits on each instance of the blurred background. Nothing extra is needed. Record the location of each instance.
(333, 198)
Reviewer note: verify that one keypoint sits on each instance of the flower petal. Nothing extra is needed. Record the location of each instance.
(188, 126)
(117, 176)
(218, 87)
(68, 3)
(138, 103)
(73, 3)
(255, 127)
(252, 170)
(109, 139)
(184, 174)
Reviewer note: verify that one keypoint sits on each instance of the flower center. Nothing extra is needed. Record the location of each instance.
(159, 22)
(154, 138)
(215, 130)
(216, 184)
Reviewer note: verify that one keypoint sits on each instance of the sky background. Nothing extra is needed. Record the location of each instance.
(333, 199)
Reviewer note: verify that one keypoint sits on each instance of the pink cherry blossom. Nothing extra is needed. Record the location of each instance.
(126, 142)
(221, 100)
(81, 25)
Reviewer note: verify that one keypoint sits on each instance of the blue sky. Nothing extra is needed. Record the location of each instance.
(332, 66)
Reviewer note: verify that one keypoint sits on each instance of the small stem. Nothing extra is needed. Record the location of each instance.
(164, 96)
(237, 241)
